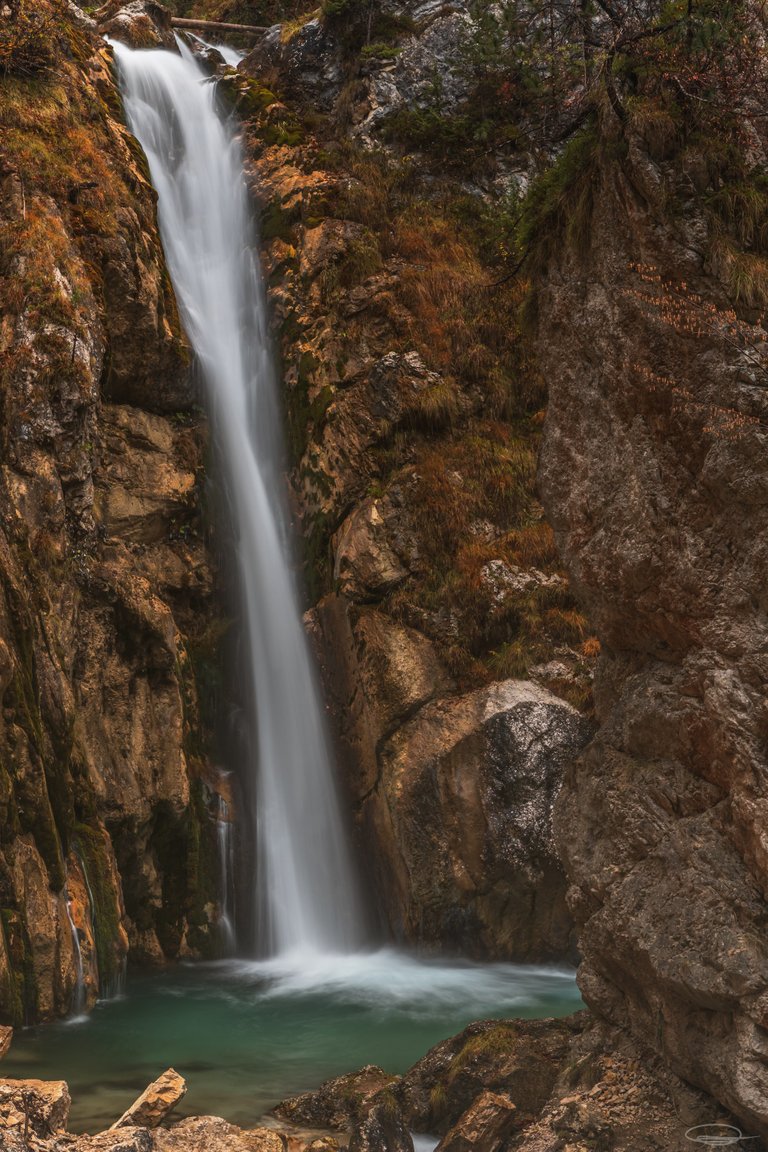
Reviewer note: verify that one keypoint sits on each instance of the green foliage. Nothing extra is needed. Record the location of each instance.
(559, 202)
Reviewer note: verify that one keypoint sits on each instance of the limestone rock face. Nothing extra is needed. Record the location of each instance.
(427, 553)
(106, 579)
(661, 516)
(309, 62)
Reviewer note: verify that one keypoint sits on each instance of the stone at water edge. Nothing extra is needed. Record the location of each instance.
(154, 1104)
(484, 1126)
(213, 1134)
(338, 1103)
(6, 1037)
(382, 1130)
(37, 1106)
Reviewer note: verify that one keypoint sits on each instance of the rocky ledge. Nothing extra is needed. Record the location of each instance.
(528, 1085)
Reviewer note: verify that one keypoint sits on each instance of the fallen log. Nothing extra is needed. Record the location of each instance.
(215, 26)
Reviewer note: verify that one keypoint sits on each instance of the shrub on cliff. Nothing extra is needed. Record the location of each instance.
(29, 37)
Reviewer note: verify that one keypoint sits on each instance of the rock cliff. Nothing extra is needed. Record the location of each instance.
(106, 577)
(653, 471)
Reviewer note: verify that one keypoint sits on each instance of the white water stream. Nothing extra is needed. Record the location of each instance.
(306, 891)
(77, 1007)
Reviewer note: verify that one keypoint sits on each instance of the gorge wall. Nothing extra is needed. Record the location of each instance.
(654, 473)
(107, 582)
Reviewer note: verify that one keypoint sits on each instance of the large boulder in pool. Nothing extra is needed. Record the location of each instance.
(339, 1103)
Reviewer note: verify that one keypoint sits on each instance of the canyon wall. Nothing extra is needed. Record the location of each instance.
(107, 586)
(654, 472)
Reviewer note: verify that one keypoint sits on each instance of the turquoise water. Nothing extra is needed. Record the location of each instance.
(246, 1034)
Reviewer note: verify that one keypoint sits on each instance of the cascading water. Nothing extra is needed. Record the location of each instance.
(226, 848)
(78, 995)
(306, 892)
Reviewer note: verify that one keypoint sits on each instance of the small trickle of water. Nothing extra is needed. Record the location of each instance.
(79, 999)
(226, 845)
(307, 898)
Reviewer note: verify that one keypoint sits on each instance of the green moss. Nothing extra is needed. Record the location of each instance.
(278, 223)
(559, 203)
(90, 844)
(19, 993)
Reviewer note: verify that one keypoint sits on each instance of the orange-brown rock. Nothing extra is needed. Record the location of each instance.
(106, 580)
(155, 1102)
(484, 1127)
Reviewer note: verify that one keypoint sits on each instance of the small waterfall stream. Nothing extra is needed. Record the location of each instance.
(306, 891)
(79, 999)
(226, 846)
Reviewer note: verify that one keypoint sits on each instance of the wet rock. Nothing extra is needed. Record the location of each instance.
(338, 1103)
(37, 1106)
(484, 1127)
(139, 24)
(155, 1102)
(6, 1038)
(381, 1130)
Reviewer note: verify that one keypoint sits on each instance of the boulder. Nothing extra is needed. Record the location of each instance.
(484, 1126)
(383, 1129)
(155, 1102)
(116, 1140)
(6, 1037)
(138, 23)
(461, 818)
(521, 1059)
(366, 567)
(338, 1103)
(37, 1106)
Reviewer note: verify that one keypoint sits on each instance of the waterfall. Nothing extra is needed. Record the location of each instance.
(78, 1006)
(226, 846)
(305, 891)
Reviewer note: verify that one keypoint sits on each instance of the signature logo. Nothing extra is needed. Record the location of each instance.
(716, 1135)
